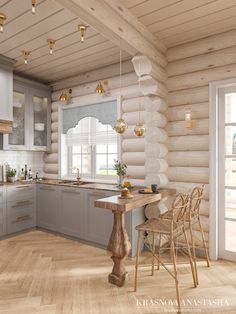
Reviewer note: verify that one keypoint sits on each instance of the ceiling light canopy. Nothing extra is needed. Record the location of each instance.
(82, 29)
(26, 54)
(2, 20)
(51, 43)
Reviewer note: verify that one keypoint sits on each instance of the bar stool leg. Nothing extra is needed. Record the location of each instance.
(204, 242)
(137, 260)
(153, 252)
(159, 251)
(194, 252)
(193, 269)
(172, 252)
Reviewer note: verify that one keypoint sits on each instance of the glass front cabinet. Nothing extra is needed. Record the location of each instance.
(31, 118)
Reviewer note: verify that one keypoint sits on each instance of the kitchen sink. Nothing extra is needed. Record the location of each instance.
(73, 182)
(80, 183)
(66, 181)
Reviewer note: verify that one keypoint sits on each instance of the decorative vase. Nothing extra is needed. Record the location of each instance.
(120, 180)
(11, 179)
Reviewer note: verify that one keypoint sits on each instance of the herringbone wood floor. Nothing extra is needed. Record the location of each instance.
(45, 273)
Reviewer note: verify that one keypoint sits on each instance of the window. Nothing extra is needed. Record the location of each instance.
(91, 147)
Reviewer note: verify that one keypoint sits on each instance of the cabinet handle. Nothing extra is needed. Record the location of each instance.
(47, 189)
(22, 203)
(24, 187)
(72, 190)
(98, 194)
(22, 218)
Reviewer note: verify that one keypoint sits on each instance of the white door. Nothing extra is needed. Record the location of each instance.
(227, 173)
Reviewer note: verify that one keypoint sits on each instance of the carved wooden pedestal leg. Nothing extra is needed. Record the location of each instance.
(120, 247)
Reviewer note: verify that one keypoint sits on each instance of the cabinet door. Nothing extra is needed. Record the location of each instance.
(48, 207)
(21, 215)
(71, 200)
(17, 140)
(2, 219)
(41, 111)
(98, 221)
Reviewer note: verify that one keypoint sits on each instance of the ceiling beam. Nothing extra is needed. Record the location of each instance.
(112, 20)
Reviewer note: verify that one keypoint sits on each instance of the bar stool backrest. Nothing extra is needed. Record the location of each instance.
(195, 200)
(179, 207)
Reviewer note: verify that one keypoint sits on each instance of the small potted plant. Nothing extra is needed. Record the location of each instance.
(11, 175)
(120, 169)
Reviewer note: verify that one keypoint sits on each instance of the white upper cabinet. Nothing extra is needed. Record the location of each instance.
(40, 119)
(31, 117)
(6, 88)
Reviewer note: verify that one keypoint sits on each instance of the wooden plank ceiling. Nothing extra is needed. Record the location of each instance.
(178, 21)
(25, 31)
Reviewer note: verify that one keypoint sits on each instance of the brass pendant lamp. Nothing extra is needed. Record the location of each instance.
(33, 8)
(2, 21)
(120, 125)
(139, 128)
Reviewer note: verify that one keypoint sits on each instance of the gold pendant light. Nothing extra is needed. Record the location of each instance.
(139, 128)
(33, 8)
(82, 29)
(66, 96)
(99, 89)
(2, 20)
(26, 54)
(120, 125)
(51, 43)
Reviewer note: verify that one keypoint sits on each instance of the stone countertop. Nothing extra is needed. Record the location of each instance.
(115, 203)
(84, 185)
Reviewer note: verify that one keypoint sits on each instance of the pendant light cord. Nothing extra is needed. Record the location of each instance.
(120, 66)
(139, 105)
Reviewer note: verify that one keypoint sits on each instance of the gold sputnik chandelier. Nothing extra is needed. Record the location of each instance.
(120, 125)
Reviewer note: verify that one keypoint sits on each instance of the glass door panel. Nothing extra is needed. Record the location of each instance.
(17, 137)
(227, 174)
(40, 105)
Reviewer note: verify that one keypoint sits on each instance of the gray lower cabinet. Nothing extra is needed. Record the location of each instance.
(48, 207)
(20, 208)
(98, 221)
(72, 211)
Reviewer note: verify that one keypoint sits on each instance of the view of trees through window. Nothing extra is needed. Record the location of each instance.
(93, 149)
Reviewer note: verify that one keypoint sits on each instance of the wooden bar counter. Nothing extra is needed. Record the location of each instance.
(119, 244)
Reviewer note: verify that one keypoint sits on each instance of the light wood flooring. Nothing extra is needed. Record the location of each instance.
(46, 273)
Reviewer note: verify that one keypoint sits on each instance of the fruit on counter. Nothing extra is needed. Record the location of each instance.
(125, 192)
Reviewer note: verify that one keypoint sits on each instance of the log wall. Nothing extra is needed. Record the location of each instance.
(191, 67)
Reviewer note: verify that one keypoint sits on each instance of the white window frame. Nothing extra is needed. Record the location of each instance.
(83, 101)
(215, 182)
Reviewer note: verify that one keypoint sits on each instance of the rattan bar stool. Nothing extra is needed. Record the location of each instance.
(192, 218)
(172, 226)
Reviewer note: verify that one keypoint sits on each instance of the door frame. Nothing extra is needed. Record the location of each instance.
(214, 182)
